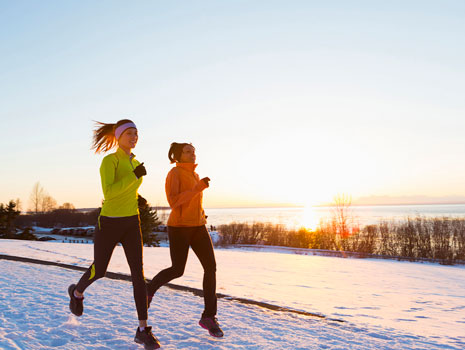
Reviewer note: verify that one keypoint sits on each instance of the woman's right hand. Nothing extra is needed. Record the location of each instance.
(202, 184)
(140, 170)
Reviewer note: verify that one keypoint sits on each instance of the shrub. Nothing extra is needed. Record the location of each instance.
(442, 239)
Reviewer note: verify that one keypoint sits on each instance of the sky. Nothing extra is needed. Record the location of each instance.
(287, 102)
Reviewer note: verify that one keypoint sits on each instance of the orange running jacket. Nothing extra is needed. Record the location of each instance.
(184, 193)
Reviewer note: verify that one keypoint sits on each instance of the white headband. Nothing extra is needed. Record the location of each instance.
(120, 129)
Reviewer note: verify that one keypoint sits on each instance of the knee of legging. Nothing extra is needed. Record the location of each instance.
(177, 271)
(97, 271)
(99, 274)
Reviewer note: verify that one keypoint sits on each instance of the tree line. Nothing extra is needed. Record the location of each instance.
(439, 239)
(45, 213)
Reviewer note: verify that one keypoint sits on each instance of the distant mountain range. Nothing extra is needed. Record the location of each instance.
(393, 200)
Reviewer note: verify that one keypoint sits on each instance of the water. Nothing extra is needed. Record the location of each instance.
(311, 216)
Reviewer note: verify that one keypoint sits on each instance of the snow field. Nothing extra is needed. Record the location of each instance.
(420, 300)
(34, 314)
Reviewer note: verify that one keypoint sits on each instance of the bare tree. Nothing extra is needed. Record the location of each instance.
(19, 204)
(342, 221)
(67, 206)
(41, 201)
(48, 203)
(36, 197)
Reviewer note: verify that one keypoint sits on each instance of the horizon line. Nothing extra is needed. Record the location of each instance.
(317, 205)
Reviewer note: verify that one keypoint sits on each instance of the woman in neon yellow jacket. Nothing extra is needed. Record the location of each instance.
(121, 175)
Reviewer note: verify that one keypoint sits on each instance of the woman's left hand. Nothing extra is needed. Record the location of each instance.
(206, 180)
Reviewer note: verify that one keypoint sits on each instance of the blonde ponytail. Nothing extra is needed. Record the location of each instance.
(104, 136)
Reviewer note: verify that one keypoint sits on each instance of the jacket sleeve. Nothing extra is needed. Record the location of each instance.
(112, 189)
(176, 198)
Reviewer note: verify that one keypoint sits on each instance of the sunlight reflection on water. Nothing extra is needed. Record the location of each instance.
(311, 216)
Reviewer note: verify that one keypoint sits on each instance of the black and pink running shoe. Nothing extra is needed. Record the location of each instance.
(211, 324)
(75, 304)
(147, 339)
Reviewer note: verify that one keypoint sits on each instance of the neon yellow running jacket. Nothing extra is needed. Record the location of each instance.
(119, 184)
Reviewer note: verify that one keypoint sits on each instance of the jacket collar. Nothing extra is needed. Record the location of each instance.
(120, 152)
(186, 166)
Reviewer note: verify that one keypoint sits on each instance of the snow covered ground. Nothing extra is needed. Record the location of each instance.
(385, 304)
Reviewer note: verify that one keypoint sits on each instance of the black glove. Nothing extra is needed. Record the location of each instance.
(206, 180)
(140, 170)
(141, 201)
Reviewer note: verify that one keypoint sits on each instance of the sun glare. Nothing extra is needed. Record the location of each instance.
(309, 218)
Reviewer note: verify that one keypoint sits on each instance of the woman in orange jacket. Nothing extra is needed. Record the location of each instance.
(186, 228)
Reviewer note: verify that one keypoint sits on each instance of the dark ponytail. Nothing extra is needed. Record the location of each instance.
(174, 154)
(104, 136)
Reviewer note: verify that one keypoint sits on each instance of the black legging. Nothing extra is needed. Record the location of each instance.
(125, 230)
(181, 238)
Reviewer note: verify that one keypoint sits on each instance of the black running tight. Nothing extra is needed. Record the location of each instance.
(124, 230)
(181, 238)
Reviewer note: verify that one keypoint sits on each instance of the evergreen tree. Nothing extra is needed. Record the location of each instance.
(148, 222)
(27, 235)
(8, 214)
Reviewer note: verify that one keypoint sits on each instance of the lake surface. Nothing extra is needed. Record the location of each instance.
(311, 216)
